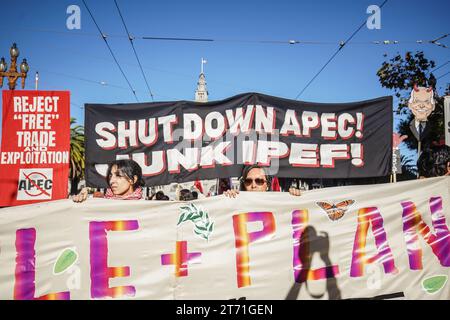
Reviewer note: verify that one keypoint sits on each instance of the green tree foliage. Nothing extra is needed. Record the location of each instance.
(400, 73)
(77, 162)
(409, 169)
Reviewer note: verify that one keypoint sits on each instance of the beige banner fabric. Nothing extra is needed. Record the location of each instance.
(387, 240)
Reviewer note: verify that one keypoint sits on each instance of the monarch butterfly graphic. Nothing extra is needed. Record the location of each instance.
(335, 211)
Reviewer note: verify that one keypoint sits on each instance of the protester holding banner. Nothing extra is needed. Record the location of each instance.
(434, 162)
(124, 178)
(255, 178)
(158, 196)
(224, 185)
(185, 195)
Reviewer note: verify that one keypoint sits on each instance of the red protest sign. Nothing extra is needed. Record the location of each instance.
(35, 153)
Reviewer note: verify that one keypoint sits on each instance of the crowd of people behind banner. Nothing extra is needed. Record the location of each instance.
(125, 182)
(124, 178)
(434, 162)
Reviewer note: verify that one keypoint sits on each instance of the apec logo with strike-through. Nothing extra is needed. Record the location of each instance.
(35, 184)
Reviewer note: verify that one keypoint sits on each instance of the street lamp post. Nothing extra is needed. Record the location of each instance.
(12, 73)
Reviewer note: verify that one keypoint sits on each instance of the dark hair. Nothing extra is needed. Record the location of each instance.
(195, 195)
(186, 195)
(157, 196)
(224, 185)
(425, 163)
(433, 161)
(129, 168)
(245, 172)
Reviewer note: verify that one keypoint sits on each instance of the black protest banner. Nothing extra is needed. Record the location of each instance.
(181, 141)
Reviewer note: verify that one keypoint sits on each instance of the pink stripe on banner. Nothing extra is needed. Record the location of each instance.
(367, 216)
(413, 225)
(100, 271)
(24, 286)
(302, 272)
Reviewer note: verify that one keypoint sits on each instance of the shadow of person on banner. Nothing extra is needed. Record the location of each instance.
(310, 243)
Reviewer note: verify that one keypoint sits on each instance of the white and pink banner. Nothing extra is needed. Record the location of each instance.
(389, 240)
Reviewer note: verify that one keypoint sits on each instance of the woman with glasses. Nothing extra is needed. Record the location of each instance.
(124, 178)
(255, 178)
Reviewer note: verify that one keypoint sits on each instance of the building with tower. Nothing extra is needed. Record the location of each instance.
(201, 94)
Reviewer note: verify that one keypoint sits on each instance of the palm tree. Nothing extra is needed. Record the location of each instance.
(409, 169)
(76, 155)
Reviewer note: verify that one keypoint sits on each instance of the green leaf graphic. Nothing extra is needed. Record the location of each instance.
(201, 228)
(65, 260)
(434, 284)
(201, 234)
(181, 219)
(199, 217)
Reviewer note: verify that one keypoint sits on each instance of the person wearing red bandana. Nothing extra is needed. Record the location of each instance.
(124, 178)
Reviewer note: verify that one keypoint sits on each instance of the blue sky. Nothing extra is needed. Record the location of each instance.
(237, 62)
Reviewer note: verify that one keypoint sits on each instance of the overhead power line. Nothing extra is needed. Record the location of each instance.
(438, 43)
(110, 50)
(134, 49)
(443, 75)
(442, 65)
(276, 42)
(101, 83)
(177, 39)
(341, 46)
